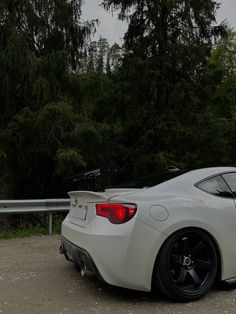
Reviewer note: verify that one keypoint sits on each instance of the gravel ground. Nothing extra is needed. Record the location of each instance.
(34, 278)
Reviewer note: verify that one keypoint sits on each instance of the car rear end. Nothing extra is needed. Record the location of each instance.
(108, 239)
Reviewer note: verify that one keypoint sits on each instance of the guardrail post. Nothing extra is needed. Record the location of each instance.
(50, 223)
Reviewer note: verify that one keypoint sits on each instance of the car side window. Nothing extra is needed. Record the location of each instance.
(216, 186)
(230, 178)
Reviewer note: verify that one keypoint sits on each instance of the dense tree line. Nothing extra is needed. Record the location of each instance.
(67, 105)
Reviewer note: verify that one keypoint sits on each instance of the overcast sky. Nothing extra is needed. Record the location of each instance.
(113, 30)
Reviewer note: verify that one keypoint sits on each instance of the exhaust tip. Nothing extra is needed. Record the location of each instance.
(84, 272)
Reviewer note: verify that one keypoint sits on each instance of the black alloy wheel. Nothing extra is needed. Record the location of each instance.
(186, 267)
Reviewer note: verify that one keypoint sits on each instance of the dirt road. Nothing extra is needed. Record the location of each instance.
(34, 278)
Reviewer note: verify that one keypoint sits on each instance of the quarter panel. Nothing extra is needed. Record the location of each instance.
(216, 215)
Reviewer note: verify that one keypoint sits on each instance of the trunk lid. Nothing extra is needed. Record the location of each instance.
(82, 204)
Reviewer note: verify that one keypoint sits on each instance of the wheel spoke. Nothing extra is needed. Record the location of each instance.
(182, 276)
(202, 264)
(186, 245)
(198, 248)
(195, 277)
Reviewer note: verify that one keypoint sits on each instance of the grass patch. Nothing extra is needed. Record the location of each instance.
(8, 234)
(23, 229)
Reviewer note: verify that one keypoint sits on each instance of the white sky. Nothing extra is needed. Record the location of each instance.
(113, 30)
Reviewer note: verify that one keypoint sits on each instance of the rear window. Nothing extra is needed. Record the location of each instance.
(216, 186)
(230, 178)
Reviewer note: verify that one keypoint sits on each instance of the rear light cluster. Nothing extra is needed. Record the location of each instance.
(116, 213)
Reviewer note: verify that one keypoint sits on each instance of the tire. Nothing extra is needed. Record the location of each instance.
(186, 266)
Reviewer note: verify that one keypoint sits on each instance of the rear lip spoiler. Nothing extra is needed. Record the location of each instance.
(78, 255)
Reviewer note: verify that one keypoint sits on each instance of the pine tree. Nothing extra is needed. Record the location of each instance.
(171, 39)
(40, 41)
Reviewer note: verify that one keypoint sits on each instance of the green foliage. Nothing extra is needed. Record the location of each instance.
(102, 58)
(58, 119)
(68, 162)
(9, 234)
(40, 42)
(68, 105)
(28, 225)
(173, 94)
(224, 54)
(36, 143)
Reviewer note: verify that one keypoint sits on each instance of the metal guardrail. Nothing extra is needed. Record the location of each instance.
(35, 206)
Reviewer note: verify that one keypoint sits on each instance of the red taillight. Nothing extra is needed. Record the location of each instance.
(116, 213)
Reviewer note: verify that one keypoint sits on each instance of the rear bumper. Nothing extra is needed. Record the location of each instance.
(78, 256)
(124, 255)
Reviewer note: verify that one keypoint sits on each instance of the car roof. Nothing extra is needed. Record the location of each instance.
(212, 171)
(189, 179)
(208, 172)
(185, 182)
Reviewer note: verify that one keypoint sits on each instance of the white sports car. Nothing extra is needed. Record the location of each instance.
(177, 236)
